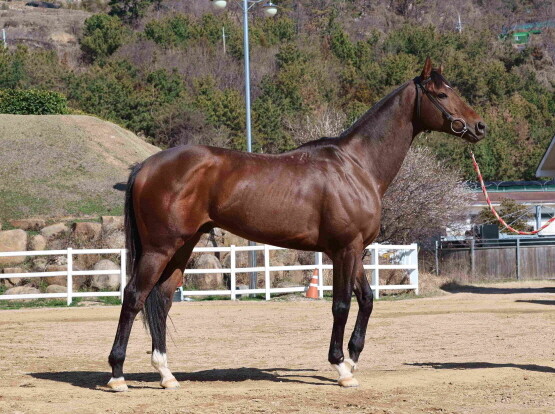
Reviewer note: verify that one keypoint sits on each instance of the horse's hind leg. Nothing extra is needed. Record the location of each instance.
(365, 299)
(170, 280)
(150, 267)
(346, 266)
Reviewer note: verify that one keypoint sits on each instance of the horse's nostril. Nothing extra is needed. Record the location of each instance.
(481, 126)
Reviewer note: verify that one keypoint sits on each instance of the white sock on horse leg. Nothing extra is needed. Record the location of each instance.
(342, 370)
(160, 362)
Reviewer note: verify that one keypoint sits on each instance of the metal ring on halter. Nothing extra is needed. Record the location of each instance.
(464, 128)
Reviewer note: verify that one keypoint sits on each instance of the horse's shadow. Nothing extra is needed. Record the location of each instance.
(94, 379)
(478, 365)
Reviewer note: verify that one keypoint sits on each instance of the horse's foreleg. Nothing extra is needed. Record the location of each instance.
(170, 280)
(365, 300)
(150, 267)
(346, 265)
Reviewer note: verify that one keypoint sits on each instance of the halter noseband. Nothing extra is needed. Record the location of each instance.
(420, 86)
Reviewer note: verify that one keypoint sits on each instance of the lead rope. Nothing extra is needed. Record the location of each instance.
(477, 169)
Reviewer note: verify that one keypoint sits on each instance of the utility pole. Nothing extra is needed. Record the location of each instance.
(459, 27)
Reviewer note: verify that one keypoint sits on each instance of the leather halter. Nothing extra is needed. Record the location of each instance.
(420, 86)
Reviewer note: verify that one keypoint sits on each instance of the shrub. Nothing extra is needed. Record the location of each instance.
(32, 102)
(102, 36)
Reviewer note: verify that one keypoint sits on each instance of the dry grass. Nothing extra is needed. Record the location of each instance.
(64, 165)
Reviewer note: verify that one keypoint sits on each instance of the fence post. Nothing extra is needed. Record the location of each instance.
(232, 275)
(376, 272)
(123, 273)
(518, 259)
(472, 259)
(320, 275)
(413, 260)
(437, 258)
(267, 271)
(69, 275)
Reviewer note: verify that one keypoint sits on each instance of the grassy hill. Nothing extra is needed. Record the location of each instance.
(64, 165)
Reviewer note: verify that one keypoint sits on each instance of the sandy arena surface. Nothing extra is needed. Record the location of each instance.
(486, 350)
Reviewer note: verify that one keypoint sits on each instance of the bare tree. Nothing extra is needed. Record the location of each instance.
(325, 122)
(426, 197)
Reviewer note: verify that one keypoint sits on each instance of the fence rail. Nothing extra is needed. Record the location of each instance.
(408, 255)
(69, 273)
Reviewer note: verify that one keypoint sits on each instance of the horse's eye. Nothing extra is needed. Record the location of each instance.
(441, 95)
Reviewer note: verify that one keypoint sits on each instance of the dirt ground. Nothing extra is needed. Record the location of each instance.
(479, 350)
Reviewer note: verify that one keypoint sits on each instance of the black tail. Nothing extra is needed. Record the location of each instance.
(132, 239)
(153, 309)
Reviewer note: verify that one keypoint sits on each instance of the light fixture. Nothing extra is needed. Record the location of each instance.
(270, 9)
(219, 4)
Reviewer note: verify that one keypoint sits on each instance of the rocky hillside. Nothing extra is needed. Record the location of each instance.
(66, 165)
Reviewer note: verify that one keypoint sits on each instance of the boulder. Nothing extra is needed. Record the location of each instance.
(13, 281)
(37, 242)
(56, 289)
(29, 224)
(22, 290)
(106, 282)
(12, 241)
(113, 240)
(112, 223)
(57, 244)
(40, 263)
(87, 231)
(54, 230)
(230, 238)
(55, 280)
(207, 281)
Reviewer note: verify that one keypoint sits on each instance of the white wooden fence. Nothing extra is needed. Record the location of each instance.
(69, 273)
(406, 255)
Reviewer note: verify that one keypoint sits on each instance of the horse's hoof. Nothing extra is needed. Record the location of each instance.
(352, 364)
(117, 385)
(348, 382)
(170, 384)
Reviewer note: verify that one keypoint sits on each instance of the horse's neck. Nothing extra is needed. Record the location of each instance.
(381, 138)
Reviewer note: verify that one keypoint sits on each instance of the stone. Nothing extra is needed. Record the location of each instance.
(87, 231)
(206, 281)
(56, 289)
(112, 223)
(12, 241)
(22, 290)
(55, 280)
(54, 230)
(37, 242)
(13, 281)
(109, 282)
(29, 224)
(57, 244)
(230, 238)
(113, 240)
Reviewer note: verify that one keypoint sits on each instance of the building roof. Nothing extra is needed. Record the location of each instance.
(532, 197)
(546, 168)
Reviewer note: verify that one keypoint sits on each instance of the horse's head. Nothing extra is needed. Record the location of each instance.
(439, 108)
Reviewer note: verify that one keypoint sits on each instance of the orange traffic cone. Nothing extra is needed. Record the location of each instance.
(312, 291)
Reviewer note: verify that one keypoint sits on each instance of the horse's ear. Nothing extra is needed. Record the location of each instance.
(440, 69)
(427, 71)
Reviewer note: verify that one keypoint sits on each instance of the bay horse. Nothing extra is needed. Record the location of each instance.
(322, 196)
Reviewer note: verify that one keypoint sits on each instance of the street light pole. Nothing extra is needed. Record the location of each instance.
(247, 72)
(270, 10)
